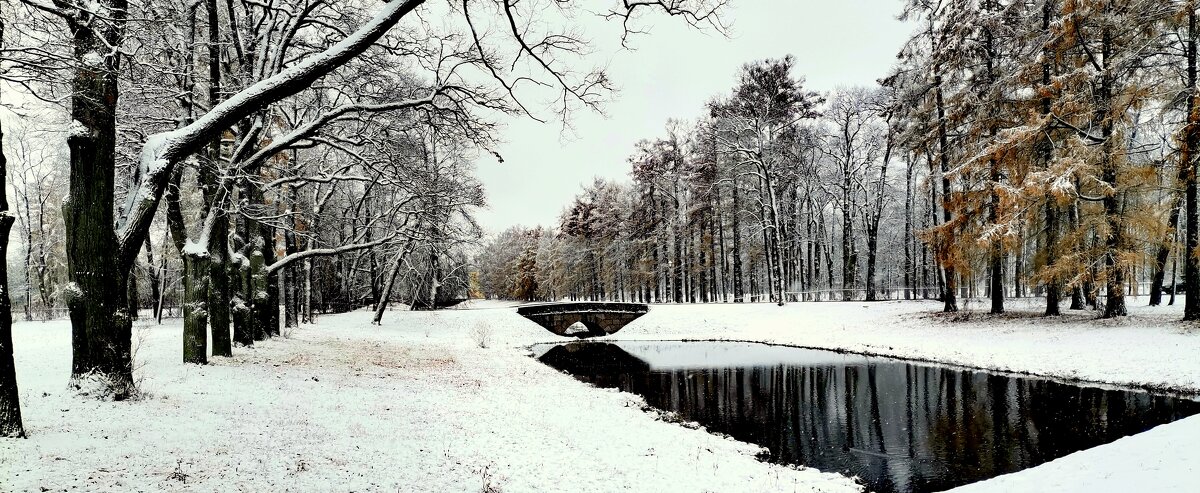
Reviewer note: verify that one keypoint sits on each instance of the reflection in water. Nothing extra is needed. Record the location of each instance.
(900, 427)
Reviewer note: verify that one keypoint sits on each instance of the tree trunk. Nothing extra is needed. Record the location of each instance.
(386, 295)
(849, 259)
(160, 300)
(1191, 264)
(950, 299)
(131, 295)
(996, 248)
(739, 290)
(1159, 274)
(239, 272)
(195, 307)
(10, 405)
(289, 276)
(28, 229)
(1114, 303)
(196, 278)
(220, 297)
(271, 315)
(908, 228)
(153, 273)
(259, 316)
(308, 293)
(100, 321)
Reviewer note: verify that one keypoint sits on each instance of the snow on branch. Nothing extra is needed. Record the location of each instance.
(325, 252)
(163, 150)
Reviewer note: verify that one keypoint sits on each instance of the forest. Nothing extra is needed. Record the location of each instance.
(249, 165)
(1016, 149)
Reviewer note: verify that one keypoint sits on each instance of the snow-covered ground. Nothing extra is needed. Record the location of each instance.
(416, 405)
(344, 406)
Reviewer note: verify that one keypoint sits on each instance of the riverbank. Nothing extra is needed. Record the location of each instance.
(417, 405)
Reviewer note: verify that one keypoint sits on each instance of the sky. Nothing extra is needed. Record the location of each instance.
(670, 73)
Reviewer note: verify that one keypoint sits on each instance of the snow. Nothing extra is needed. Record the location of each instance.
(196, 248)
(1161, 460)
(78, 129)
(93, 60)
(413, 406)
(417, 405)
(1150, 348)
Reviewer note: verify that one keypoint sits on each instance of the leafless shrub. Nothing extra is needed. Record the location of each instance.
(481, 334)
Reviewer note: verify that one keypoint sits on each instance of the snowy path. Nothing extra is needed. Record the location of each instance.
(416, 406)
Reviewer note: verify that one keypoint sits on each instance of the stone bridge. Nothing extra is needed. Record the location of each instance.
(598, 318)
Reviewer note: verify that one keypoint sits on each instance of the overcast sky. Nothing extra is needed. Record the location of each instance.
(671, 74)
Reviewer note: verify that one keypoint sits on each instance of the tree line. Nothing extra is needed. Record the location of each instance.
(1017, 148)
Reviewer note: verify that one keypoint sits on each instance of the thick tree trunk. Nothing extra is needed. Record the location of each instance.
(100, 321)
(196, 278)
(195, 306)
(220, 295)
(10, 405)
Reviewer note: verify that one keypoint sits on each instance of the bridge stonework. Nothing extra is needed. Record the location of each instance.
(599, 318)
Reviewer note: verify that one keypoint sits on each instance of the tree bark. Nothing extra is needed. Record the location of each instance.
(1045, 154)
(386, 295)
(950, 298)
(1114, 303)
(153, 274)
(219, 296)
(1191, 264)
(10, 405)
(195, 307)
(195, 279)
(739, 290)
(100, 320)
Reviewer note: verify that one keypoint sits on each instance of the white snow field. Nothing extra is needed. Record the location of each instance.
(417, 405)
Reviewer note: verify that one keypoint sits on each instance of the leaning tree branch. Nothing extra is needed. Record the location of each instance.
(163, 151)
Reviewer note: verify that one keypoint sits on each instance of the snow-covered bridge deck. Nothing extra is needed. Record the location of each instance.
(599, 318)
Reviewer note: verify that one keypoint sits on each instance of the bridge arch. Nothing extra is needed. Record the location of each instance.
(600, 318)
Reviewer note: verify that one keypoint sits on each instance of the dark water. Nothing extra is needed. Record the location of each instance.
(900, 427)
